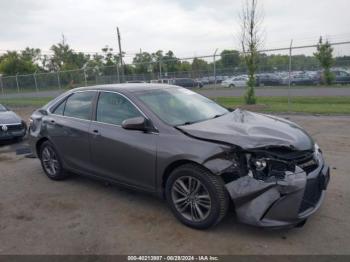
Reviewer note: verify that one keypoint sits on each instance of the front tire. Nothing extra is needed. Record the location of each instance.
(51, 162)
(196, 196)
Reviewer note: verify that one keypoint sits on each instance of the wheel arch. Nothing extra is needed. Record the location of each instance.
(39, 143)
(171, 167)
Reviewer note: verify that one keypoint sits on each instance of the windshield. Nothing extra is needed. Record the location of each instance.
(179, 106)
(2, 108)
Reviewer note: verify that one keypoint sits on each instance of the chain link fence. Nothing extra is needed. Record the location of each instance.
(287, 63)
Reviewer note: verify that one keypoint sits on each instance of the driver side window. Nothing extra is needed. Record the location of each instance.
(113, 108)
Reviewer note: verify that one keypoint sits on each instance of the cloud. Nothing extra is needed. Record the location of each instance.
(186, 27)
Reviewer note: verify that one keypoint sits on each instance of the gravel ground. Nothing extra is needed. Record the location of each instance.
(83, 216)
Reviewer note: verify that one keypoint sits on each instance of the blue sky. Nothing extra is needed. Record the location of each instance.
(188, 28)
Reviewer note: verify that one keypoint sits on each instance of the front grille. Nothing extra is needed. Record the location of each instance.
(308, 162)
(312, 194)
(11, 128)
(303, 159)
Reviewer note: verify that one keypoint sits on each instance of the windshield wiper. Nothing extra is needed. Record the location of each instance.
(188, 123)
(216, 116)
(202, 120)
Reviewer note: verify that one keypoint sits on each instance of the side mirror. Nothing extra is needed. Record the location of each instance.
(136, 123)
(43, 112)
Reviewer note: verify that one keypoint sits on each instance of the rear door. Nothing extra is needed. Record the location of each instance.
(128, 156)
(68, 128)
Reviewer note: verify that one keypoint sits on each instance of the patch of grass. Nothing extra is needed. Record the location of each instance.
(22, 102)
(311, 105)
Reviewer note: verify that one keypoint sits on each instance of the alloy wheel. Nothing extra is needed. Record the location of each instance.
(191, 198)
(50, 161)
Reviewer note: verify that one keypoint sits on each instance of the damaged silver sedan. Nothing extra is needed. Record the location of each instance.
(186, 148)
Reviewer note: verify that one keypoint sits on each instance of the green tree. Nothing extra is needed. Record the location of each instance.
(143, 63)
(110, 61)
(64, 58)
(229, 58)
(198, 66)
(343, 61)
(184, 66)
(324, 55)
(171, 62)
(250, 41)
(31, 54)
(157, 61)
(13, 62)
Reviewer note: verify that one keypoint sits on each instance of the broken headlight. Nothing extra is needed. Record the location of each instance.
(265, 167)
(317, 153)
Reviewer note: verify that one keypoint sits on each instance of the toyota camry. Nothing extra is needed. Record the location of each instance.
(199, 156)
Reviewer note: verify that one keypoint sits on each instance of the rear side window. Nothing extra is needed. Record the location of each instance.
(79, 105)
(113, 108)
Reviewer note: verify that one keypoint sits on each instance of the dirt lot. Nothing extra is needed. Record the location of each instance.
(82, 216)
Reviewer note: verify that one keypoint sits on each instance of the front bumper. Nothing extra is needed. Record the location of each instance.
(280, 203)
(8, 135)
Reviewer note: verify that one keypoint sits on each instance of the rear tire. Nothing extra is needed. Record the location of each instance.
(51, 162)
(231, 86)
(196, 197)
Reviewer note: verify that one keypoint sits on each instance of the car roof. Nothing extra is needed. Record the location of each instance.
(127, 88)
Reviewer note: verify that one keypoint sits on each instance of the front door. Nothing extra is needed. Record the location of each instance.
(128, 156)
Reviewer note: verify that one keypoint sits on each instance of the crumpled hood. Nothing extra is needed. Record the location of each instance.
(9, 117)
(251, 130)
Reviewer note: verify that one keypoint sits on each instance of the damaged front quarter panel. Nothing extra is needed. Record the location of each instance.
(272, 198)
(274, 172)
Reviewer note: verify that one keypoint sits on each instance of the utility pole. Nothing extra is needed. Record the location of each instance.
(120, 55)
(58, 79)
(215, 70)
(35, 82)
(160, 68)
(143, 74)
(17, 83)
(2, 85)
(63, 39)
(289, 72)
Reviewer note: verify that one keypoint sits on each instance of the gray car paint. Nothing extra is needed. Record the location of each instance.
(251, 130)
(143, 160)
(9, 117)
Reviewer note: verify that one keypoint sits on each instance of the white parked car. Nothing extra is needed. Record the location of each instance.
(236, 81)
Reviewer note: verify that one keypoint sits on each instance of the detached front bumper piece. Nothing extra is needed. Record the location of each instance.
(281, 202)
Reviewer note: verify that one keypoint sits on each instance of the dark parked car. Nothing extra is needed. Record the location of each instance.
(11, 125)
(341, 77)
(306, 79)
(186, 148)
(268, 80)
(187, 82)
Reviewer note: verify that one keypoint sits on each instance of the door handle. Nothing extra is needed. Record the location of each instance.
(96, 132)
(51, 121)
